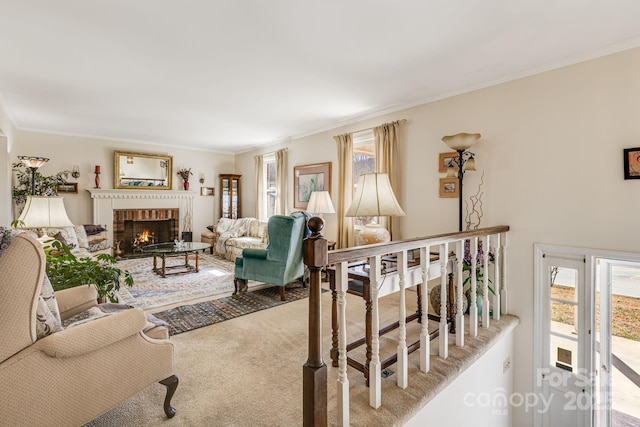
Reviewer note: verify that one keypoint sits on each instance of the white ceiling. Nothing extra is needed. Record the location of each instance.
(231, 75)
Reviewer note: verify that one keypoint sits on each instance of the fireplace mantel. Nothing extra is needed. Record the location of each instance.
(140, 194)
(105, 201)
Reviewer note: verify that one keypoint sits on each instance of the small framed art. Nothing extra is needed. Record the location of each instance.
(68, 187)
(632, 163)
(444, 159)
(207, 191)
(449, 188)
(310, 178)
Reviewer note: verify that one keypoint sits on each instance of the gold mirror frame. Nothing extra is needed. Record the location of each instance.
(142, 171)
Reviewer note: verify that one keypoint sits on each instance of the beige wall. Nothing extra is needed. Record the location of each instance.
(66, 151)
(551, 151)
(552, 154)
(7, 136)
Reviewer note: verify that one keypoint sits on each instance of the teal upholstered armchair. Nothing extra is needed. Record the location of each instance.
(281, 262)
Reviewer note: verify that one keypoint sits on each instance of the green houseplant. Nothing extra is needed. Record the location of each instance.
(65, 270)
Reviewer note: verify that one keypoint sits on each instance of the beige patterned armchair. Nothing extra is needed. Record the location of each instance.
(67, 376)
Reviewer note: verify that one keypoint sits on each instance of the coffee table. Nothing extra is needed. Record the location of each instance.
(164, 250)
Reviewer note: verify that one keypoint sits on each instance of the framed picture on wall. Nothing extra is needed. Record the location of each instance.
(449, 188)
(310, 178)
(632, 163)
(444, 159)
(68, 187)
(207, 191)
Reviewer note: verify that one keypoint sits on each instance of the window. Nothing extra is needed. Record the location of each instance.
(364, 161)
(269, 180)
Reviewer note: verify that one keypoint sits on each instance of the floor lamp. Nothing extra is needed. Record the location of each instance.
(465, 161)
(33, 163)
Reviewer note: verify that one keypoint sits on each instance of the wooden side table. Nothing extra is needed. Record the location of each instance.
(360, 284)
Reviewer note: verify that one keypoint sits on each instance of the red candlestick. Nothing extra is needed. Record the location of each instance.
(97, 172)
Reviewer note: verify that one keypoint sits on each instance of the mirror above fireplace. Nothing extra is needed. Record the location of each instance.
(142, 171)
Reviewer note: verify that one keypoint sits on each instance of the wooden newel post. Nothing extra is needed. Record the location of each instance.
(314, 372)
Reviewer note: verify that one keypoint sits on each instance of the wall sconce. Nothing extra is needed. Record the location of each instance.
(465, 161)
(201, 178)
(76, 172)
(33, 163)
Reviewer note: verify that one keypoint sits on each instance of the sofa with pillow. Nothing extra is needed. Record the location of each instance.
(230, 236)
(65, 359)
(83, 240)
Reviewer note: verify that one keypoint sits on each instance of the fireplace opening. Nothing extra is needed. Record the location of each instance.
(141, 233)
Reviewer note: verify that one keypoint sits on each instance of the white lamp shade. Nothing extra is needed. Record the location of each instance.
(374, 197)
(44, 212)
(320, 203)
(461, 141)
(33, 161)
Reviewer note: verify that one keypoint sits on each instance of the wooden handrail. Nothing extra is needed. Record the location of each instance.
(316, 257)
(359, 252)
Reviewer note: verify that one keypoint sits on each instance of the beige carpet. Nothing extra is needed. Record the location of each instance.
(248, 372)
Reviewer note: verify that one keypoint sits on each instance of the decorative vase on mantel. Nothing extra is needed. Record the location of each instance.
(185, 185)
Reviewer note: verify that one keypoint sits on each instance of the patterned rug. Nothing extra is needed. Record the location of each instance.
(189, 317)
(215, 277)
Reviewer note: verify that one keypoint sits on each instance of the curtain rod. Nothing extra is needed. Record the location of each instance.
(401, 121)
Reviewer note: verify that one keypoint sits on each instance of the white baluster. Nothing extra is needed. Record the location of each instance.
(485, 279)
(425, 341)
(496, 279)
(443, 336)
(503, 267)
(473, 309)
(342, 283)
(374, 366)
(459, 295)
(403, 355)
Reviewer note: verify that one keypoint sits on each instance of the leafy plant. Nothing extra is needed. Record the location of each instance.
(184, 173)
(65, 271)
(466, 266)
(45, 185)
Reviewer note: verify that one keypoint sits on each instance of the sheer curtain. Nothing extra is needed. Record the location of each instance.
(345, 190)
(261, 210)
(386, 139)
(281, 182)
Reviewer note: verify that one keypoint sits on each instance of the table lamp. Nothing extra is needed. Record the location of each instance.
(374, 197)
(42, 212)
(320, 203)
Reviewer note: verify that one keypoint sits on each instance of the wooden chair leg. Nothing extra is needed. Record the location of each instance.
(282, 297)
(172, 384)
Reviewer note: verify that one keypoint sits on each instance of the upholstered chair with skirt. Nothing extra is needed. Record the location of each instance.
(281, 262)
(67, 375)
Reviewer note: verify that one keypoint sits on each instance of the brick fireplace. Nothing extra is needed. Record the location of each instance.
(136, 228)
(111, 206)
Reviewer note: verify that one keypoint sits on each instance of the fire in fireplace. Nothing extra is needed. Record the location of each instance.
(136, 228)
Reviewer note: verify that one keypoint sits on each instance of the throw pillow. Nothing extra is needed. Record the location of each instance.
(59, 237)
(92, 229)
(82, 236)
(46, 322)
(92, 240)
(67, 233)
(49, 297)
(94, 247)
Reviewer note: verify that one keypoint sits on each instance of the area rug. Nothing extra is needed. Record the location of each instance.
(215, 277)
(188, 317)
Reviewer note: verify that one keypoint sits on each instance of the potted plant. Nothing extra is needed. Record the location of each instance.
(184, 173)
(44, 185)
(65, 270)
(466, 269)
